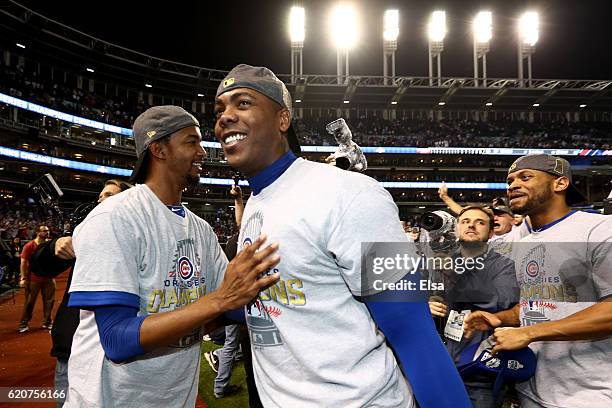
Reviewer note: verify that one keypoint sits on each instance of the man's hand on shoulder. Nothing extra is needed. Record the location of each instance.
(64, 249)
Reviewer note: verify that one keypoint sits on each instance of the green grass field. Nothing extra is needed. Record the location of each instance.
(239, 400)
(207, 379)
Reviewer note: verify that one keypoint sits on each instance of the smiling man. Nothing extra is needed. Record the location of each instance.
(314, 344)
(564, 269)
(149, 274)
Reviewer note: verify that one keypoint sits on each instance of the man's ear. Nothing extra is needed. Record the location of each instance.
(285, 120)
(158, 150)
(561, 183)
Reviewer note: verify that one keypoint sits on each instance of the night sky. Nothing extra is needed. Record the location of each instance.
(574, 34)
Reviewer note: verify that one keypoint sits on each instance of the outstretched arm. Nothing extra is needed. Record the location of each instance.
(410, 331)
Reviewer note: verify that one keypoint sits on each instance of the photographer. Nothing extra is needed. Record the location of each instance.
(487, 283)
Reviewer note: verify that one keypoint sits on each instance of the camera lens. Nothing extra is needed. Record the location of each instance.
(431, 221)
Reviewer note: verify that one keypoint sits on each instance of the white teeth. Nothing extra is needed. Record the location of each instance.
(236, 137)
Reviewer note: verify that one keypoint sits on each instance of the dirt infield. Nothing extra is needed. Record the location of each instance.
(24, 357)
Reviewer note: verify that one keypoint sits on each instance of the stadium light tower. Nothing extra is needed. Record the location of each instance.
(297, 34)
(344, 33)
(528, 37)
(390, 34)
(482, 27)
(436, 31)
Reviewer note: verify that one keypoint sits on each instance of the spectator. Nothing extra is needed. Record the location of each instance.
(34, 284)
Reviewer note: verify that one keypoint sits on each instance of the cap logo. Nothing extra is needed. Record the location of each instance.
(512, 167)
(151, 133)
(515, 365)
(228, 82)
(558, 166)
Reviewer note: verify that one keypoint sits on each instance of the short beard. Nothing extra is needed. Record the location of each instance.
(192, 180)
(534, 203)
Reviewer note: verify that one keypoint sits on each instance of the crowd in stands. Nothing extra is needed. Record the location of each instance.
(367, 131)
(32, 87)
(463, 133)
(19, 218)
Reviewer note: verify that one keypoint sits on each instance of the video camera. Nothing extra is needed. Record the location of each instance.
(46, 193)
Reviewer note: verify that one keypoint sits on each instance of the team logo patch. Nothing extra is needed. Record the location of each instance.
(185, 268)
(558, 167)
(247, 241)
(514, 365)
(228, 82)
(512, 167)
(532, 269)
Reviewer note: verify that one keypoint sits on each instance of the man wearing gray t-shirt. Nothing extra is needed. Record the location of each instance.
(149, 274)
(564, 270)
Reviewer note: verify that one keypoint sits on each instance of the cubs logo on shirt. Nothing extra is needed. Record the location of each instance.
(185, 268)
(532, 269)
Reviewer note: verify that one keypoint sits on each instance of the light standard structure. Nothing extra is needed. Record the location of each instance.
(344, 34)
(528, 37)
(482, 28)
(390, 34)
(436, 31)
(297, 34)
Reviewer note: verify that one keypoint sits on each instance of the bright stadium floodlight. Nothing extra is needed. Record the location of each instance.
(344, 26)
(391, 25)
(437, 26)
(297, 34)
(344, 34)
(482, 27)
(390, 34)
(436, 31)
(529, 34)
(529, 28)
(296, 24)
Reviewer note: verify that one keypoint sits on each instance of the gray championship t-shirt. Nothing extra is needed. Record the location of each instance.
(315, 345)
(562, 270)
(133, 243)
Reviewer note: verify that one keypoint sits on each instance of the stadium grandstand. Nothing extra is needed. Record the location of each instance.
(415, 134)
(68, 101)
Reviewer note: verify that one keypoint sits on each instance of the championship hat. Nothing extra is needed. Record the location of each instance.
(153, 124)
(504, 367)
(262, 80)
(551, 165)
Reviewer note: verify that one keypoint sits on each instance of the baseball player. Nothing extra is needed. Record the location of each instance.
(564, 269)
(314, 344)
(149, 274)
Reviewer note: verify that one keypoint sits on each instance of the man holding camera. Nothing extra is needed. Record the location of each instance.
(313, 342)
(489, 284)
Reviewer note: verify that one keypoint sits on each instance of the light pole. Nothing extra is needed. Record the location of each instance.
(390, 34)
(483, 31)
(436, 31)
(528, 37)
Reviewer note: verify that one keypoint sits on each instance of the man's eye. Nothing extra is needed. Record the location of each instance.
(244, 103)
